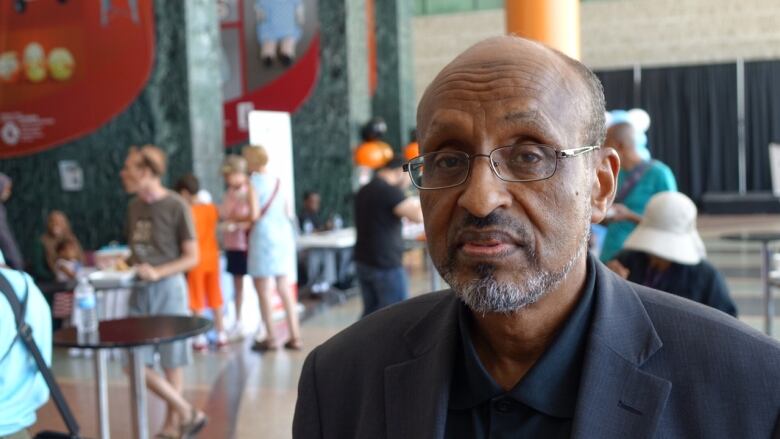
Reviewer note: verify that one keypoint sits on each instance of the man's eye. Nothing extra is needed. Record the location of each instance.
(527, 158)
(448, 162)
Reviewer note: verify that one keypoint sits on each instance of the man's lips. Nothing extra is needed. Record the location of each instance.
(493, 243)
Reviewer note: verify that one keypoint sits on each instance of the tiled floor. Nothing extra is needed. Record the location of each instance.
(253, 396)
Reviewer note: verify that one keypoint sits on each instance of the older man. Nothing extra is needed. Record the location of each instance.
(536, 338)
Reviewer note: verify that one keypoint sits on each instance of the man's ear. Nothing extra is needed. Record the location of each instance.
(604, 184)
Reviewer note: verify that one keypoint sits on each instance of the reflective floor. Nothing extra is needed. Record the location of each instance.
(248, 395)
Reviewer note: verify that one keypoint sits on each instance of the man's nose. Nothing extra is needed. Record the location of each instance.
(483, 191)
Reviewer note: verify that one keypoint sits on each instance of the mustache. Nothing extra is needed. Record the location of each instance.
(496, 220)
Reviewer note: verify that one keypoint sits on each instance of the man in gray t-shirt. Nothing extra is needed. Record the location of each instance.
(161, 236)
(156, 231)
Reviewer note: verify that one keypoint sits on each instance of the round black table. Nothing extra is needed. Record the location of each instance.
(764, 238)
(131, 333)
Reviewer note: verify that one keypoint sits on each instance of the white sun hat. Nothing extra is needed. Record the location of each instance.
(668, 230)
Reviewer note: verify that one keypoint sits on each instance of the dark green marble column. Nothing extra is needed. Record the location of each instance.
(160, 115)
(394, 99)
(205, 93)
(326, 127)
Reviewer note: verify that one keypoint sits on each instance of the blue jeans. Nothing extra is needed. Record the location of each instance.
(381, 287)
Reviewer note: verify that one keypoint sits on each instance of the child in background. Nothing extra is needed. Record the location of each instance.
(203, 279)
(237, 220)
(68, 263)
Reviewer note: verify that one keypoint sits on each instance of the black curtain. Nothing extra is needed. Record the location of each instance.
(762, 120)
(618, 88)
(694, 125)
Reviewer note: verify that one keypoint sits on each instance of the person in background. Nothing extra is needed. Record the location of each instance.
(379, 207)
(68, 264)
(665, 252)
(58, 230)
(236, 214)
(317, 265)
(203, 279)
(638, 180)
(271, 249)
(309, 218)
(161, 237)
(22, 387)
(8, 246)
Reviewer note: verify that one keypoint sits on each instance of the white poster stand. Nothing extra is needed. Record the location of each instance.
(774, 167)
(272, 130)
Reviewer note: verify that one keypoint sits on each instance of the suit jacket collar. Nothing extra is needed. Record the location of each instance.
(616, 398)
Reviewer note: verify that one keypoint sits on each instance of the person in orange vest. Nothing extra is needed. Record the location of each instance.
(373, 153)
(412, 148)
(203, 279)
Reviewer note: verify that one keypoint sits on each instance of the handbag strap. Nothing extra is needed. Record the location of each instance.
(24, 331)
(270, 200)
(631, 181)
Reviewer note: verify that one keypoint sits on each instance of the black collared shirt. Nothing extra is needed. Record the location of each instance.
(542, 404)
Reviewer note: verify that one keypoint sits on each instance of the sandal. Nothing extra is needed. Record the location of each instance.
(294, 344)
(265, 345)
(197, 421)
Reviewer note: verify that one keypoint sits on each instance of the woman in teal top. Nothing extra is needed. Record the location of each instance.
(638, 181)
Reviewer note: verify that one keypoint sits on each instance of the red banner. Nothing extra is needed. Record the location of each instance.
(69, 67)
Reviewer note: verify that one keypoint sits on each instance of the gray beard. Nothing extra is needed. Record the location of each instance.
(485, 294)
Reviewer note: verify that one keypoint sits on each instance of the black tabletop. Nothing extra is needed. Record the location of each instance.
(135, 331)
(752, 236)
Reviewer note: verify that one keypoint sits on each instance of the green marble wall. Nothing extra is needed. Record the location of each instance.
(394, 99)
(160, 115)
(205, 93)
(326, 127)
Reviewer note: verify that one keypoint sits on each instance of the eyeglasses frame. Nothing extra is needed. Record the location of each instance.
(559, 154)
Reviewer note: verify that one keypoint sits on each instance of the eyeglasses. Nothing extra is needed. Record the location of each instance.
(513, 163)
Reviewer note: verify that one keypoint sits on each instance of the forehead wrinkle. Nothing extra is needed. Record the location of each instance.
(442, 122)
(537, 121)
(492, 89)
(480, 80)
(493, 95)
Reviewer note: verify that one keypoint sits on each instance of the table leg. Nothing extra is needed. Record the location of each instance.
(102, 393)
(769, 306)
(138, 393)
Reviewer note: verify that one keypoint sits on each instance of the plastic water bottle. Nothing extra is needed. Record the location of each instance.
(308, 227)
(337, 222)
(85, 307)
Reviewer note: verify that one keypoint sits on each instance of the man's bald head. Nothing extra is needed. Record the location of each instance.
(535, 60)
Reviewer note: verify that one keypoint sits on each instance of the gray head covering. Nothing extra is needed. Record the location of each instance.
(4, 181)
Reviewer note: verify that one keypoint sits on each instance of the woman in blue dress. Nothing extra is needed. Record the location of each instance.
(271, 249)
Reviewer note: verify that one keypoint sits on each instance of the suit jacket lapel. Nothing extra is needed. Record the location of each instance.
(417, 390)
(616, 398)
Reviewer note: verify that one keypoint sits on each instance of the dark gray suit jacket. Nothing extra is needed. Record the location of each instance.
(656, 366)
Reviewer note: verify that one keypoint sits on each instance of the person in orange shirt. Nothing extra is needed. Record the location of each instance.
(203, 279)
